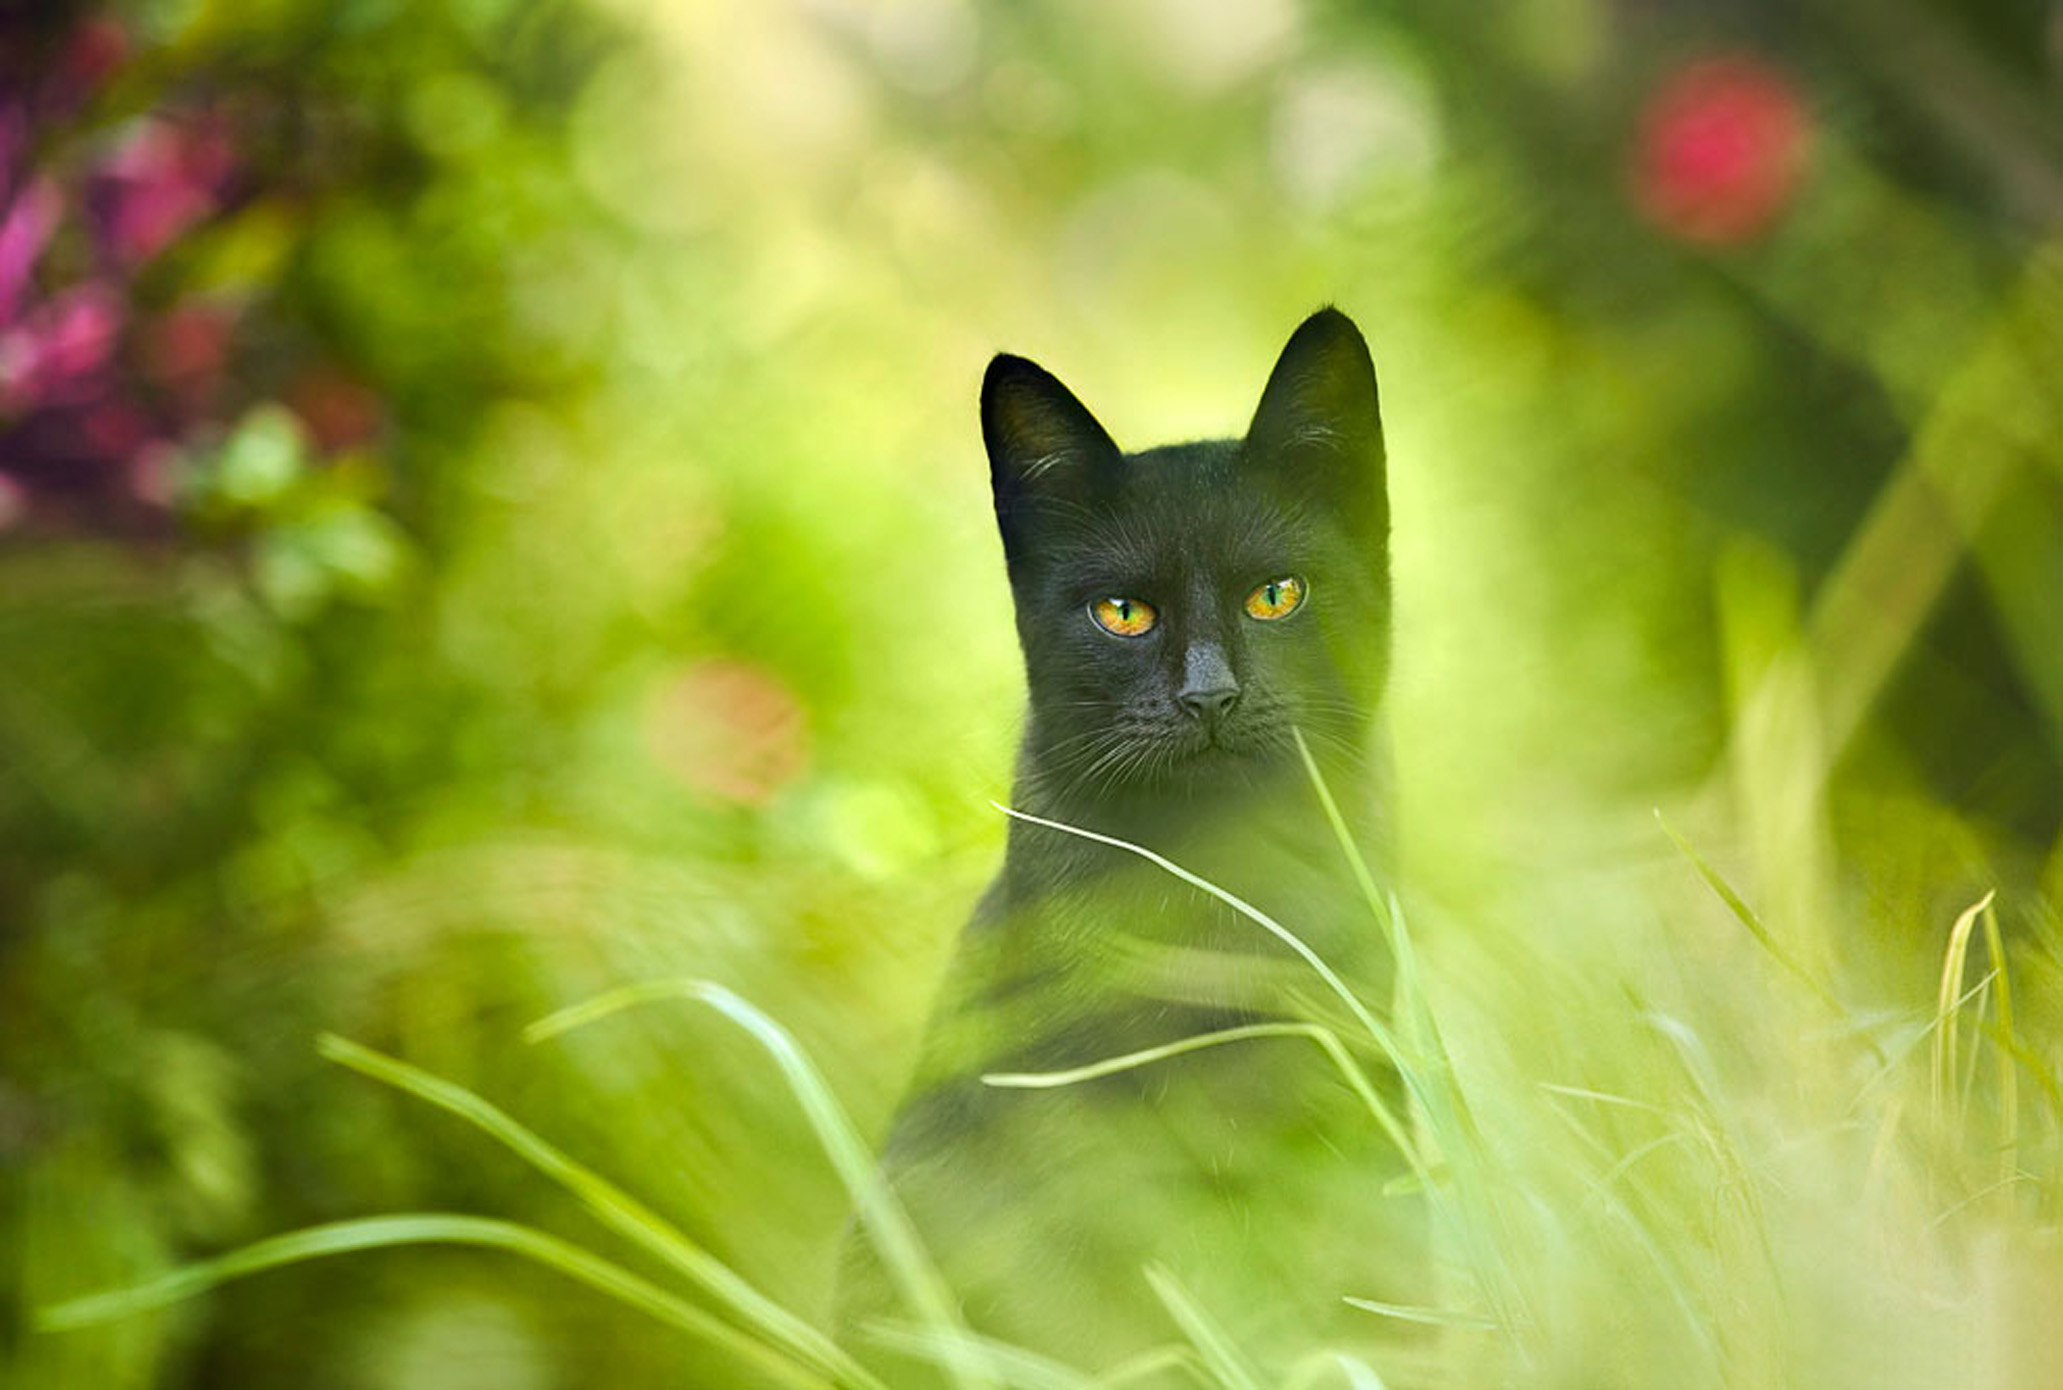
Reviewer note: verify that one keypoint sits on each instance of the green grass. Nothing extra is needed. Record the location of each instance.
(1719, 1178)
(436, 1228)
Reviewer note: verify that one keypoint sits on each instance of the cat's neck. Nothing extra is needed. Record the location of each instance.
(1197, 819)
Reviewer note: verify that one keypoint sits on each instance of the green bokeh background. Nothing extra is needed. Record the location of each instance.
(660, 629)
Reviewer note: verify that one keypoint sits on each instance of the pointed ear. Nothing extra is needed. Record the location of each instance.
(1319, 424)
(1042, 443)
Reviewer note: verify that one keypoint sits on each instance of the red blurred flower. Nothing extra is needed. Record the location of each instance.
(114, 429)
(185, 354)
(95, 50)
(341, 412)
(729, 729)
(1722, 150)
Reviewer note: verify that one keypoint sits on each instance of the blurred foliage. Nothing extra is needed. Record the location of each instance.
(490, 509)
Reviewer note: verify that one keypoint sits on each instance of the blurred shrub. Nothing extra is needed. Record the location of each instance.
(490, 508)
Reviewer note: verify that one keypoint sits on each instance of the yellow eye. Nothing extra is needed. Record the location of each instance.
(1278, 598)
(1125, 617)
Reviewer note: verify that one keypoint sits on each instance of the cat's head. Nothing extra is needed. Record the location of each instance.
(1183, 607)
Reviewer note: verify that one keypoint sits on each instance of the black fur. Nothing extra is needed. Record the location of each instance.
(1044, 1205)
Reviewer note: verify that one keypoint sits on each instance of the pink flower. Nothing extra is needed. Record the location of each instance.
(24, 230)
(1722, 150)
(160, 181)
(58, 350)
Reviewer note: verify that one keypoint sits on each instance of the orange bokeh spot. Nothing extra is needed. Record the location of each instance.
(729, 729)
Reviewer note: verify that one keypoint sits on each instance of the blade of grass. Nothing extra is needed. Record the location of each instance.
(879, 1210)
(1147, 1365)
(1603, 1097)
(1020, 1369)
(2044, 1076)
(1421, 1032)
(1382, 1036)
(1438, 1101)
(615, 1208)
(1357, 1374)
(1640, 1151)
(1698, 1318)
(1948, 1005)
(381, 1232)
(1747, 918)
(2009, 1080)
(1718, 1124)
(1668, 1273)
(2003, 1184)
(1966, 1084)
(1439, 1093)
(1880, 1151)
(1433, 1317)
(1393, 926)
(1220, 1355)
(1327, 1042)
(1894, 1053)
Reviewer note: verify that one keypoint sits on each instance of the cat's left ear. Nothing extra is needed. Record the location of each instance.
(1319, 426)
(1043, 446)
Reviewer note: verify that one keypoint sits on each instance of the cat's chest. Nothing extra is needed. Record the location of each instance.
(1122, 955)
(1101, 1098)
(1257, 885)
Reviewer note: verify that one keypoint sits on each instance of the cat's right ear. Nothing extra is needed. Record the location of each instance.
(1042, 443)
(1319, 427)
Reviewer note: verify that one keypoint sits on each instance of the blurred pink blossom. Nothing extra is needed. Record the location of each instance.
(159, 182)
(24, 230)
(54, 355)
(1722, 150)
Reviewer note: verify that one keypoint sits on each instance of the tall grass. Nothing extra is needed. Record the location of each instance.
(1652, 1158)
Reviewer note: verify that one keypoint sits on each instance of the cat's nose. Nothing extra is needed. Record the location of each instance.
(1209, 689)
(1211, 704)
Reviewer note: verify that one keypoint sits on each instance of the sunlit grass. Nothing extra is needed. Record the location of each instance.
(880, 1212)
(1326, 1040)
(436, 1228)
(1221, 1357)
(1641, 1173)
(612, 1206)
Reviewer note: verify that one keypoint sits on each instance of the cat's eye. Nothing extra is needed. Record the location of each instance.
(1278, 598)
(1123, 617)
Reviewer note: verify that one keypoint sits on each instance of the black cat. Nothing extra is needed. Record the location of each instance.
(1181, 611)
